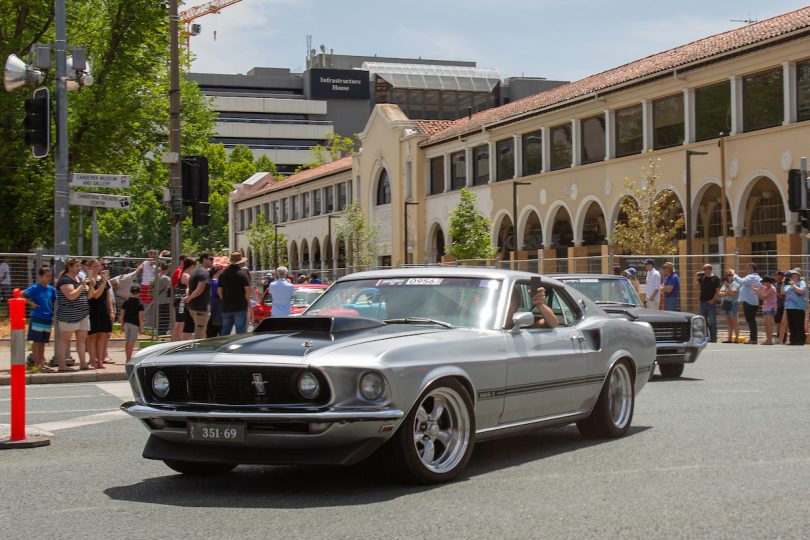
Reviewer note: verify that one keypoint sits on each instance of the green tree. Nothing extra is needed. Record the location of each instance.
(360, 235)
(649, 225)
(118, 125)
(469, 230)
(337, 146)
(264, 242)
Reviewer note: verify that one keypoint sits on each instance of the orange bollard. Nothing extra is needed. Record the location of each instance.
(16, 309)
(19, 437)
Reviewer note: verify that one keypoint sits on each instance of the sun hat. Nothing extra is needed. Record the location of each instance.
(236, 258)
(650, 261)
(631, 272)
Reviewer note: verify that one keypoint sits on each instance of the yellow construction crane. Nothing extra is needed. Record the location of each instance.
(189, 15)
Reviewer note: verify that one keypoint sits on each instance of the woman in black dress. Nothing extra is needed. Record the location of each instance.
(101, 314)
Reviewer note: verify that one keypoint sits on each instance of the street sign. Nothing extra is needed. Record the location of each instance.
(99, 180)
(99, 200)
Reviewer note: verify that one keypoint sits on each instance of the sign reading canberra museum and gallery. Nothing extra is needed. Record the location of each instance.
(338, 84)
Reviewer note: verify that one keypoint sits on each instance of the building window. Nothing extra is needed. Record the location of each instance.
(532, 152)
(505, 150)
(277, 212)
(242, 226)
(330, 199)
(481, 165)
(294, 206)
(593, 139)
(341, 196)
(349, 191)
(560, 147)
(284, 209)
(383, 189)
(803, 90)
(668, 121)
(316, 202)
(437, 175)
(307, 208)
(629, 131)
(712, 110)
(458, 170)
(762, 100)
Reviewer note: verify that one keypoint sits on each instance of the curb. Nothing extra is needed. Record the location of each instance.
(55, 378)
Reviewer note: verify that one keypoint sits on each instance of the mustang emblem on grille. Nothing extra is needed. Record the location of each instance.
(259, 384)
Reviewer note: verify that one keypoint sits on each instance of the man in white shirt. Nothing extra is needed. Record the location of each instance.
(652, 286)
(281, 290)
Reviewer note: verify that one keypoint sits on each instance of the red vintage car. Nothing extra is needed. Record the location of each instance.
(305, 294)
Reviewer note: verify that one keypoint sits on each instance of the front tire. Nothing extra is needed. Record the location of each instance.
(435, 441)
(671, 371)
(194, 468)
(613, 412)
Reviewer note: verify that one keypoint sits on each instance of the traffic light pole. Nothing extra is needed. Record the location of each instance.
(175, 177)
(61, 217)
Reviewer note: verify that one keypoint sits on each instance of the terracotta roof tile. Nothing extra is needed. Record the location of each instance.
(333, 167)
(701, 49)
(429, 127)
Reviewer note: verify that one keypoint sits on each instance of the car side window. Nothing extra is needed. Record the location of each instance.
(562, 306)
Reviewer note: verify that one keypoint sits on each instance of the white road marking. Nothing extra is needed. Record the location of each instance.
(82, 421)
(62, 411)
(58, 397)
(121, 390)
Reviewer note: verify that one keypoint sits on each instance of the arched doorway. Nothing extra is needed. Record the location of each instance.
(533, 232)
(304, 255)
(292, 261)
(315, 254)
(673, 212)
(594, 228)
(562, 233)
(506, 238)
(328, 254)
(437, 247)
(764, 219)
(709, 220)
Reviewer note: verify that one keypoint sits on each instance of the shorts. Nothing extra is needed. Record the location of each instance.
(769, 313)
(188, 323)
(131, 331)
(83, 324)
(39, 330)
(735, 309)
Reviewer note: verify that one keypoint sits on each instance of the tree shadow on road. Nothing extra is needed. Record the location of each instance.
(290, 487)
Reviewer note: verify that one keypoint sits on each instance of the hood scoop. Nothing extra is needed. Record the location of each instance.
(328, 325)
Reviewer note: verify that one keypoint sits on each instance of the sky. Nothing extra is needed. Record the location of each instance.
(555, 39)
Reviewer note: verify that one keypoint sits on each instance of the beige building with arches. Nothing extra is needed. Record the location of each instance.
(550, 170)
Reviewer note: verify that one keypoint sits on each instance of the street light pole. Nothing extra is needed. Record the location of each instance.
(515, 184)
(407, 204)
(689, 239)
(329, 219)
(61, 218)
(724, 205)
(276, 227)
(175, 178)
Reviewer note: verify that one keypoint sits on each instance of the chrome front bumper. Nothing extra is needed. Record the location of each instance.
(146, 411)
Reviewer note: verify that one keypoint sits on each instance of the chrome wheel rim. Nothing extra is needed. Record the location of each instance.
(620, 395)
(441, 430)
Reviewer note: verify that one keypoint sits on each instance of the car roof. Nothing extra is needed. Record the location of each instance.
(448, 271)
(563, 277)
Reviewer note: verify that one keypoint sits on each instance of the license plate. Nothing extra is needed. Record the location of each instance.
(222, 432)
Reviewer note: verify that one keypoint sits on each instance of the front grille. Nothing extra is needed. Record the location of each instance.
(232, 385)
(671, 332)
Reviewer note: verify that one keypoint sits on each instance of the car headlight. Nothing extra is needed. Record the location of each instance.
(372, 386)
(698, 328)
(308, 385)
(160, 384)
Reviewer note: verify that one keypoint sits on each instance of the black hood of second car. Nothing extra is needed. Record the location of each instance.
(647, 315)
(293, 337)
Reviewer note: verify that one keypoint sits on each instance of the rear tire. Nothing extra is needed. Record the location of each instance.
(671, 371)
(435, 441)
(613, 412)
(194, 468)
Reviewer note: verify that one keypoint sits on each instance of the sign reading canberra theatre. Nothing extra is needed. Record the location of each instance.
(338, 84)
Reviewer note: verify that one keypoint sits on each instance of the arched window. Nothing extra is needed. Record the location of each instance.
(383, 189)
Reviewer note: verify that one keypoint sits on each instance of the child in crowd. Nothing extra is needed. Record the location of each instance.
(767, 293)
(131, 319)
(40, 296)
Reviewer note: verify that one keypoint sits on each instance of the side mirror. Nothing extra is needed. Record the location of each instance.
(522, 319)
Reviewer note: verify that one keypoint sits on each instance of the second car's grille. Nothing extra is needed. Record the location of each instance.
(232, 385)
(677, 332)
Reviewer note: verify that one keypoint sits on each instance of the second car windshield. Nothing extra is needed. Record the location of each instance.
(467, 302)
(606, 290)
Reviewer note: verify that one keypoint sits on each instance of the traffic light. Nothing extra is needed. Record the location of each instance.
(795, 186)
(38, 123)
(195, 188)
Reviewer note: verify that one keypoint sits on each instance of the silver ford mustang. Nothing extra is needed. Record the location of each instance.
(417, 363)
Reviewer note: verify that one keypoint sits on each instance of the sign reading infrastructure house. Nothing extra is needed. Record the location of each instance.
(338, 84)
(99, 200)
(99, 180)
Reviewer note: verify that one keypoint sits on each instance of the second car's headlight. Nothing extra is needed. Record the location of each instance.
(372, 386)
(160, 384)
(698, 328)
(308, 385)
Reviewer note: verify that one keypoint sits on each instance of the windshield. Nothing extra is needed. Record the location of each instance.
(468, 302)
(606, 290)
(305, 297)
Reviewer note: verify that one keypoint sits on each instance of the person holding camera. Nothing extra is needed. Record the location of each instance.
(750, 299)
(767, 293)
(709, 286)
(729, 306)
(795, 302)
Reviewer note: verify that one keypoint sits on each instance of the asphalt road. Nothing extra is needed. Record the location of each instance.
(723, 453)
